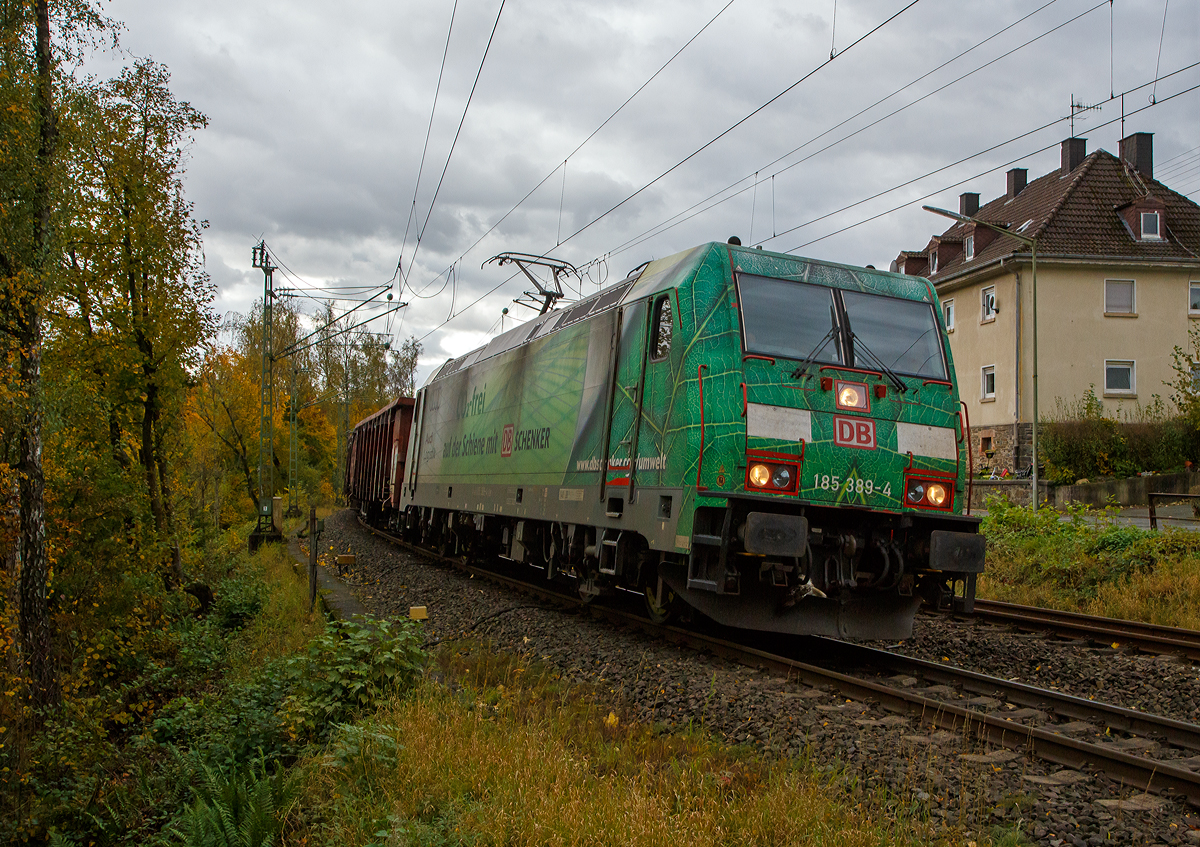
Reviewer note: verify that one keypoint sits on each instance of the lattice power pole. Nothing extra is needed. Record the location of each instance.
(266, 428)
(293, 509)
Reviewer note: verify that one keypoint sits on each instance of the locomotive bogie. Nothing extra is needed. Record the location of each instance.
(773, 441)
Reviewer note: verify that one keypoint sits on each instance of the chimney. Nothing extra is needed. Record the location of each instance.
(1017, 179)
(968, 203)
(1074, 151)
(1138, 151)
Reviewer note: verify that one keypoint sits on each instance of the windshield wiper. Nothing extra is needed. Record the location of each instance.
(802, 370)
(884, 369)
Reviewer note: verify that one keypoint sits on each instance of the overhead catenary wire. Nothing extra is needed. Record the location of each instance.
(983, 173)
(774, 231)
(1161, 37)
(903, 205)
(457, 133)
(595, 131)
(741, 121)
(856, 42)
(428, 130)
(683, 216)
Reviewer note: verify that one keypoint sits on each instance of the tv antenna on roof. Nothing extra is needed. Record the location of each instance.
(1077, 107)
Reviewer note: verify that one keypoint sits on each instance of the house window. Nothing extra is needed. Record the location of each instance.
(1118, 377)
(948, 312)
(1194, 298)
(989, 383)
(1195, 377)
(988, 304)
(1118, 297)
(1150, 226)
(933, 261)
(968, 248)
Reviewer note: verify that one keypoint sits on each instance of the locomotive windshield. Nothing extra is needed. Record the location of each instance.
(797, 320)
(902, 334)
(792, 320)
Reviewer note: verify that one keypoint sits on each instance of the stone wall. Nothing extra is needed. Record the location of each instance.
(1124, 492)
(1011, 444)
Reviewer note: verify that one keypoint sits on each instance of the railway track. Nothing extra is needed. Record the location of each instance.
(1004, 713)
(1148, 638)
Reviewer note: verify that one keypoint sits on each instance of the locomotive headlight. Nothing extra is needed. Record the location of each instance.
(782, 478)
(936, 495)
(852, 395)
(760, 475)
(916, 492)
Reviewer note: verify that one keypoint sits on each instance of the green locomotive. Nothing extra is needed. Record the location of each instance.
(773, 441)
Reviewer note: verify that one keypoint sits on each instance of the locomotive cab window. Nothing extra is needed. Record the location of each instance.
(793, 320)
(660, 338)
(798, 320)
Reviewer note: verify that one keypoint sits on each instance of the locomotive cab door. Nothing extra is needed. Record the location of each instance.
(629, 376)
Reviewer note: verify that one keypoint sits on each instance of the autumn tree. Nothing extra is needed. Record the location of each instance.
(35, 36)
(135, 299)
(402, 368)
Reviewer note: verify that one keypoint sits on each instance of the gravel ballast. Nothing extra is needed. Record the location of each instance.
(674, 687)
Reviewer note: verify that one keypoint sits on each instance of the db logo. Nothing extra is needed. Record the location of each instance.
(854, 432)
(506, 441)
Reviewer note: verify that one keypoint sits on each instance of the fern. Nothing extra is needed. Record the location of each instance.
(237, 808)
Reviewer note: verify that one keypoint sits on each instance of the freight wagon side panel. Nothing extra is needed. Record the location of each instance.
(401, 427)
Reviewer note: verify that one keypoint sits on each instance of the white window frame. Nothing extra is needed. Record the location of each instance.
(1133, 299)
(984, 372)
(986, 316)
(1157, 236)
(968, 248)
(948, 314)
(1121, 392)
(933, 261)
(1196, 377)
(1193, 285)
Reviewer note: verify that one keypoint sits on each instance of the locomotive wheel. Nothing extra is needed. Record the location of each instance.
(660, 603)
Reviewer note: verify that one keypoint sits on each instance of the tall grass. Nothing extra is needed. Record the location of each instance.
(283, 624)
(1091, 563)
(529, 761)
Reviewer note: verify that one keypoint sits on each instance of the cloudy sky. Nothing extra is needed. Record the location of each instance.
(318, 117)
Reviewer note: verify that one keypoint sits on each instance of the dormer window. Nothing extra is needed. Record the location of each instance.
(1150, 227)
(968, 248)
(933, 261)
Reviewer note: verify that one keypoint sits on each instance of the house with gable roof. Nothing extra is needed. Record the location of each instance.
(1118, 286)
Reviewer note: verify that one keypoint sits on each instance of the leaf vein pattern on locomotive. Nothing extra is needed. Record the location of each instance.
(771, 441)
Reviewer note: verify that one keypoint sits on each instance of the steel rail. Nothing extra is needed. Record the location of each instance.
(1150, 638)
(1138, 772)
(1175, 732)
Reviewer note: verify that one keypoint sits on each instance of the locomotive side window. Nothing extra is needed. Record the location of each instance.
(660, 340)
(793, 320)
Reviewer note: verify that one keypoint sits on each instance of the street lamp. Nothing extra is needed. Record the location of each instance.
(1032, 244)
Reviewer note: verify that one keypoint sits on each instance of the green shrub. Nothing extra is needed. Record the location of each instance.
(1080, 442)
(238, 601)
(1071, 562)
(350, 668)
